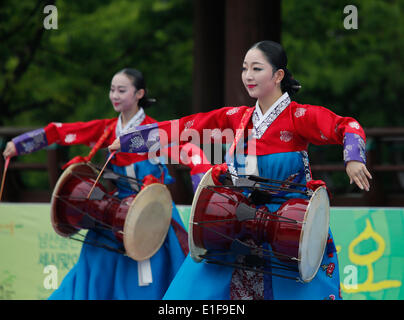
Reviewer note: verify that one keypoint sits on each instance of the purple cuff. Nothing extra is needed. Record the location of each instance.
(196, 178)
(354, 148)
(142, 139)
(30, 141)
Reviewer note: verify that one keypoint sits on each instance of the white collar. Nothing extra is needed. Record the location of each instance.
(261, 116)
(262, 122)
(136, 120)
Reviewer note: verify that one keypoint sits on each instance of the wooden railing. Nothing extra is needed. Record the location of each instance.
(15, 191)
(386, 173)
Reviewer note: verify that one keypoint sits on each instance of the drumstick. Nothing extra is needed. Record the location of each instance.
(99, 175)
(134, 180)
(4, 176)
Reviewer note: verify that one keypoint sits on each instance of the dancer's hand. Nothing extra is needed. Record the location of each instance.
(10, 150)
(218, 173)
(115, 146)
(358, 173)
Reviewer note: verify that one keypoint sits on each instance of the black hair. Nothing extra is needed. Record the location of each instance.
(276, 56)
(139, 83)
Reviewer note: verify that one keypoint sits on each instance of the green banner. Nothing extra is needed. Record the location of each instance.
(34, 259)
(370, 252)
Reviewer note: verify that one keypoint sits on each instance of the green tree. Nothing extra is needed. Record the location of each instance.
(355, 72)
(64, 74)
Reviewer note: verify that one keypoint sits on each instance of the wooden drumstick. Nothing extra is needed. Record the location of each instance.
(99, 175)
(4, 176)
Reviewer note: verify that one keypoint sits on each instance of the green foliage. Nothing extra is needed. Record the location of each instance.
(63, 75)
(354, 72)
(71, 68)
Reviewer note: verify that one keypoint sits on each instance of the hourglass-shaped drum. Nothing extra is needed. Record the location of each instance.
(140, 222)
(222, 218)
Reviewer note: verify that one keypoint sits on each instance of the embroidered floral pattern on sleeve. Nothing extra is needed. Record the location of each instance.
(189, 124)
(30, 141)
(136, 142)
(232, 111)
(141, 140)
(354, 125)
(354, 148)
(300, 112)
(70, 138)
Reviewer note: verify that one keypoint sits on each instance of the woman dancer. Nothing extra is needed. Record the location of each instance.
(102, 274)
(280, 132)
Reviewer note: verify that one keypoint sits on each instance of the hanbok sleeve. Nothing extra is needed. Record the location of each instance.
(190, 129)
(61, 133)
(191, 156)
(321, 126)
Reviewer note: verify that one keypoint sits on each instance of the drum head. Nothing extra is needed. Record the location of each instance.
(314, 235)
(195, 251)
(79, 168)
(147, 222)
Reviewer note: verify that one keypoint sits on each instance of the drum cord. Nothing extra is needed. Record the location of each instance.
(109, 174)
(125, 188)
(261, 179)
(260, 256)
(245, 244)
(106, 226)
(122, 186)
(272, 187)
(95, 244)
(279, 219)
(255, 251)
(112, 173)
